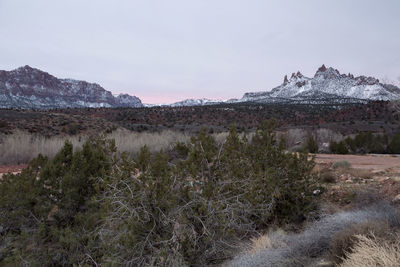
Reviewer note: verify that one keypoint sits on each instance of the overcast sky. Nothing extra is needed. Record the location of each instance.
(164, 51)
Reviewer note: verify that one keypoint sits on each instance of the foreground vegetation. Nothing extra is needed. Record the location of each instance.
(366, 237)
(186, 206)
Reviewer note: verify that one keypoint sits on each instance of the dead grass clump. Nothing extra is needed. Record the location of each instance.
(343, 242)
(372, 251)
(260, 243)
(343, 164)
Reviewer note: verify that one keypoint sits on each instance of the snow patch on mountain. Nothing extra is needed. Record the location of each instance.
(194, 102)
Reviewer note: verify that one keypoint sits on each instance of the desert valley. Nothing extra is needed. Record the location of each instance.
(200, 133)
(341, 133)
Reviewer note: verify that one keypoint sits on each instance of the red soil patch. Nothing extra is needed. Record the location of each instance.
(11, 168)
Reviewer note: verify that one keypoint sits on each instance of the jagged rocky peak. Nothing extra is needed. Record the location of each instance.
(296, 76)
(285, 80)
(363, 80)
(322, 68)
(327, 73)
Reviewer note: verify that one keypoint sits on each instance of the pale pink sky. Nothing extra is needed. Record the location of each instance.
(165, 51)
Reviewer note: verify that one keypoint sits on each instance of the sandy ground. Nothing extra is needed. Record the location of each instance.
(372, 161)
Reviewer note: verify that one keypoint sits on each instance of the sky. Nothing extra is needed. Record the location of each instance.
(166, 51)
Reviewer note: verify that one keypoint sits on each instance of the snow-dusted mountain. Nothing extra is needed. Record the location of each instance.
(327, 86)
(28, 87)
(194, 102)
(189, 102)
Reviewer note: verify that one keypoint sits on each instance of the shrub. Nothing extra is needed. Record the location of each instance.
(3, 124)
(216, 195)
(49, 209)
(311, 145)
(361, 143)
(343, 242)
(394, 145)
(343, 164)
(327, 176)
(373, 251)
(338, 148)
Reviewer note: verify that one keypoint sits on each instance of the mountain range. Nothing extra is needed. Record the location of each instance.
(327, 86)
(28, 87)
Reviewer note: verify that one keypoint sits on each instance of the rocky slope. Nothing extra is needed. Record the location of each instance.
(327, 85)
(28, 87)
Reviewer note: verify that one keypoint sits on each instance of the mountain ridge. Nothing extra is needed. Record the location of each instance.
(27, 87)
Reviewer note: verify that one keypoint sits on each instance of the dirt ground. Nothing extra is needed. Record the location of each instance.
(368, 178)
(371, 162)
(11, 168)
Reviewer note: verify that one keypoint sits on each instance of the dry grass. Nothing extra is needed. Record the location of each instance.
(260, 243)
(21, 147)
(304, 248)
(327, 135)
(127, 141)
(345, 241)
(343, 164)
(371, 251)
(295, 135)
